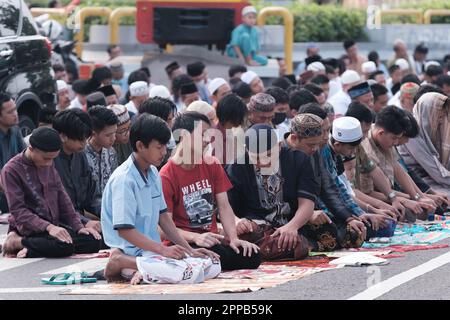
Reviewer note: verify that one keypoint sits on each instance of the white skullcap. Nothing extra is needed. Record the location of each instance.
(431, 63)
(316, 67)
(216, 84)
(61, 85)
(402, 63)
(201, 107)
(369, 67)
(160, 91)
(139, 89)
(347, 129)
(248, 76)
(248, 9)
(349, 77)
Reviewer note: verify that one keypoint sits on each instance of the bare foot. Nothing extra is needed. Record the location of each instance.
(113, 267)
(22, 253)
(12, 245)
(137, 278)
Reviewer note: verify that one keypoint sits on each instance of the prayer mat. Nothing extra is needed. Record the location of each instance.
(345, 252)
(101, 254)
(266, 276)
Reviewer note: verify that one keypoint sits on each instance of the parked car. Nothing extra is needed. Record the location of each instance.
(25, 68)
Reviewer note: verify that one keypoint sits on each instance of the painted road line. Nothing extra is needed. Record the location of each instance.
(11, 263)
(89, 266)
(385, 286)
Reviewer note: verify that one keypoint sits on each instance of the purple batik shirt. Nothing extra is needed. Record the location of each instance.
(36, 197)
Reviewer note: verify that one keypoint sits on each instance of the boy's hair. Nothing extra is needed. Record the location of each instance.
(242, 90)
(148, 127)
(392, 119)
(433, 71)
(282, 82)
(425, 89)
(146, 70)
(348, 43)
(231, 109)
(412, 130)
(320, 79)
(111, 47)
(46, 115)
(313, 108)
(187, 121)
(4, 97)
(178, 82)
(360, 111)
(280, 95)
(237, 68)
(101, 74)
(137, 75)
(411, 78)
(443, 79)
(58, 67)
(313, 88)
(378, 90)
(299, 98)
(102, 117)
(393, 68)
(375, 73)
(74, 123)
(373, 56)
(158, 106)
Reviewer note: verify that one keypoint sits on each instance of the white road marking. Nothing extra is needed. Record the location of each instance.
(385, 286)
(11, 263)
(89, 266)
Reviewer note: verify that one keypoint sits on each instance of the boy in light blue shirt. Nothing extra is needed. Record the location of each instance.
(245, 40)
(133, 206)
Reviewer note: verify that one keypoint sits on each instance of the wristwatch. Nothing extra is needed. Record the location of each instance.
(417, 197)
(392, 196)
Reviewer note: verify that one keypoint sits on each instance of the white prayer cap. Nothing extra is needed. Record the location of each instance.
(431, 63)
(139, 89)
(160, 91)
(350, 76)
(216, 84)
(316, 67)
(347, 130)
(248, 9)
(402, 63)
(248, 76)
(369, 67)
(61, 84)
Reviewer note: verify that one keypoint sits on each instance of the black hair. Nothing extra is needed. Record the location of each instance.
(4, 97)
(52, 3)
(425, 89)
(177, 83)
(332, 62)
(148, 127)
(46, 115)
(281, 82)
(158, 106)
(411, 78)
(58, 67)
(329, 69)
(434, 70)
(353, 144)
(234, 81)
(320, 79)
(378, 90)
(393, 68)
(360, 111)
(237, 68)
(187, 121)
(299, 98)
(292, 88)
(101, 74)
(443, 79)
(74, 123)
(231, 109)
(137, 75)
(280, 95)
(313, 88)
(421, 48)
(102, 117)
(313, 108)
(375, 73)
(446, 58)
(373, 56)
(412, 130)
(147, 71)
(111, 47)
(348, 43)
(392, 119)
(242, 90)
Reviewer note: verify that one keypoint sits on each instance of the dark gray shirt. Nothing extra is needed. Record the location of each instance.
(11, 144)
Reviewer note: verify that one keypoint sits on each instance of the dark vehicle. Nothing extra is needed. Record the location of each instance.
(25, 68)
